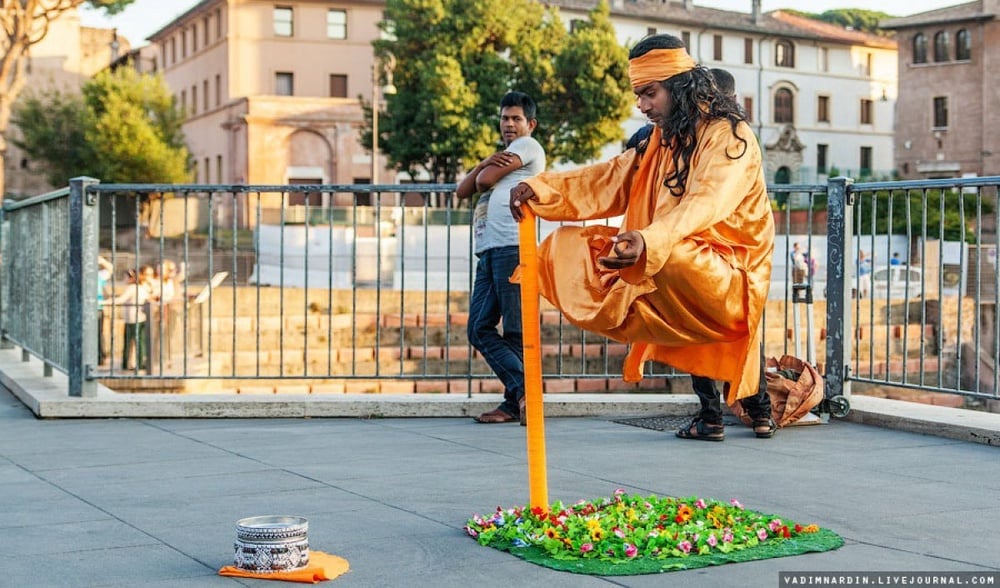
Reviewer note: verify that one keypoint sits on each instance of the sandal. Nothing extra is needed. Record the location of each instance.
(699, 430)
(764, 428)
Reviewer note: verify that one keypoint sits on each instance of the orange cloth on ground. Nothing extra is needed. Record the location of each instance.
(322, 566)
(696, 297)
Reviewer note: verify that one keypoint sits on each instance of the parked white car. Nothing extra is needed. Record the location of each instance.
(892, 281)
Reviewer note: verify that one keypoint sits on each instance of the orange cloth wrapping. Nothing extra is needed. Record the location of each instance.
(322, 566)
(696, 297)
(658, 65)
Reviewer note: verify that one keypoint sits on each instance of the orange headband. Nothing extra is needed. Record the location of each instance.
(658, 65)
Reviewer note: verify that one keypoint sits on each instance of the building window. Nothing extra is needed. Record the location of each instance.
(194, 99)
(208, 172)
(963, 45)
(205, 27)
(748, 50)
(717, 47)
(284, 83)
(650, 31)
(821, 151)
(338, 86)
(218, 24)
(336, 24)
(824, 59)
(184, 100)
(919, 48)
(184, 44)
(194, 38)
(866, 111)
(941, 46)
(748, 108)
(204, 93)
(686, 38)
(866, 161)
(218, 89)
(869, 61)
(784, 111)
(173, 50)
(283, 21)
(784, 54)
(575, 24)
(823, 109)
(940, 112)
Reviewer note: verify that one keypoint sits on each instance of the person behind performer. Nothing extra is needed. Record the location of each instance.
(685, 279)
(494, 297)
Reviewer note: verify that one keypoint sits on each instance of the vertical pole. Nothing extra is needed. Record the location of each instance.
(839, 268)
(81, 311)
(374, 178)
(532, 341)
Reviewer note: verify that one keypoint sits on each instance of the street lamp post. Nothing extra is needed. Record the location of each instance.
(388, 89)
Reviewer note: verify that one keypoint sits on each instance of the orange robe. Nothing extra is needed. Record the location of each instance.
(695, 298)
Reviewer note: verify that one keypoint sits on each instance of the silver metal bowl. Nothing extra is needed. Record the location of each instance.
(272, 543)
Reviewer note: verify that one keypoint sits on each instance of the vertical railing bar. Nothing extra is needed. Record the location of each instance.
(305, 288)
(211, 291)
(281, 284)
(235, 253)
(81, 341)
(258, 212)
(186, 265)
(329, 285)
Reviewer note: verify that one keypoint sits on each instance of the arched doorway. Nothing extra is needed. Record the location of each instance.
(783, 175)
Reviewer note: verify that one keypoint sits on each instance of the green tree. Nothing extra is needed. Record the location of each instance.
(25, 23)
(124, 127)
(455, 59)
(854, 18)
(949, 214)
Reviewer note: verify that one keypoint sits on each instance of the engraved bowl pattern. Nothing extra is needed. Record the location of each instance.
(272, 543)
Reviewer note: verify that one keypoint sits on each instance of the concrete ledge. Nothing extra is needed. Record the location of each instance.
(940, 421)
(47, 398)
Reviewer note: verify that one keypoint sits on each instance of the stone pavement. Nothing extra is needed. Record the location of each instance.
(153, 502)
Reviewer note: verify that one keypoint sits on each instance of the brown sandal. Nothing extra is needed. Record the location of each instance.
(496, 416)
(702, 431)
(764, 428)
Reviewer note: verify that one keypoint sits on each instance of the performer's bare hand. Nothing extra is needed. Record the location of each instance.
(627, 249)
(520, 194)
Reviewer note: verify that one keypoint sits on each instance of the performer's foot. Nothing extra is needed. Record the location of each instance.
(523, 410)
(496, 416)
(699, 430)
(764, 428)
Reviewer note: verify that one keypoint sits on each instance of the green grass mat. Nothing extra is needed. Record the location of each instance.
(630, 534)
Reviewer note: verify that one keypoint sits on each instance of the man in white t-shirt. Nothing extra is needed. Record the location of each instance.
(494, 298)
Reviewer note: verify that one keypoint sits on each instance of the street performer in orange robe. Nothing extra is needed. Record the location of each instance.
(685, 279)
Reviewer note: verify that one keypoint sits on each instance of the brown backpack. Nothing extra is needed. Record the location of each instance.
(795, 388)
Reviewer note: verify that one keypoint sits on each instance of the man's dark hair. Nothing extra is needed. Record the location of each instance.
(515, 98)
(690, 93)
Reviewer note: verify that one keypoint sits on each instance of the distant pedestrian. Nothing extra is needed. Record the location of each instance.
(895, 259)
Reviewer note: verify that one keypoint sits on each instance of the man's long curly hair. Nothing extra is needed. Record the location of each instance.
(695, 98)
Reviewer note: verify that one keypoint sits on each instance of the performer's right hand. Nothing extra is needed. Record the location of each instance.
(520, 194)
(628, 248)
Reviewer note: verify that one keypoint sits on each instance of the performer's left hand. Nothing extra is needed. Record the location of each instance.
(628, 248)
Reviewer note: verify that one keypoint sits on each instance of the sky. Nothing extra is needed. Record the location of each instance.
(144, 17)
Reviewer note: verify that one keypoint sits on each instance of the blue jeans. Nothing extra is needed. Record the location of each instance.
(493, 298)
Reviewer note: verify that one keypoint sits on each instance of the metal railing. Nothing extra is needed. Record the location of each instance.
(364, 288)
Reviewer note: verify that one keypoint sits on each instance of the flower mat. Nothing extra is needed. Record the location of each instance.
(627, 535)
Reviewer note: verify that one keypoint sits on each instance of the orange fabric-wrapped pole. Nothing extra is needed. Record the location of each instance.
(537, 473)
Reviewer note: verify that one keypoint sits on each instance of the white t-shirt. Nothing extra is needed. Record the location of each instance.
(493, 225)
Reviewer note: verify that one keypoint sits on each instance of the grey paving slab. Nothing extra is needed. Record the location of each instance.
(149, 502)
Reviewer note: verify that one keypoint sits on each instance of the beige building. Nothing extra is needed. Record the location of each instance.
(271, 93)
(67, 56)
(949, 101)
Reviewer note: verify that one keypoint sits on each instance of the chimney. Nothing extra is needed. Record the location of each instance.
(756, 11)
